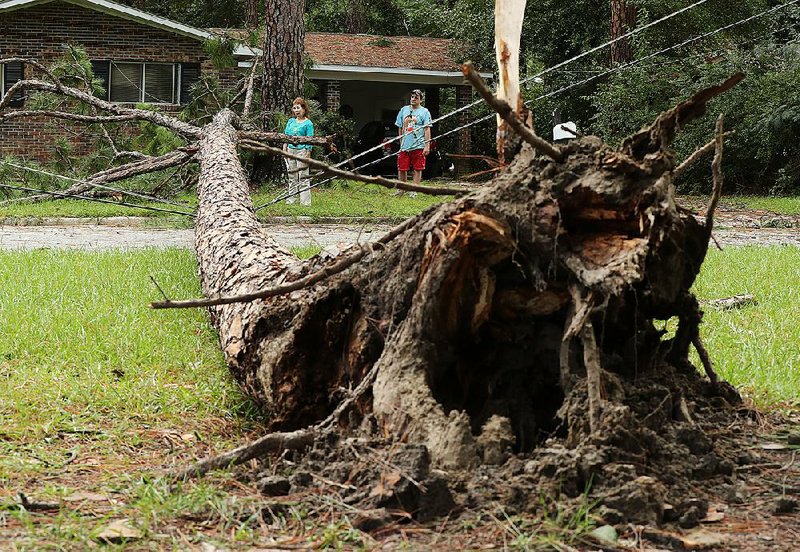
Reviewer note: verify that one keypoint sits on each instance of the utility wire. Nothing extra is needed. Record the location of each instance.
(95, 199)
(614, 69)
(101, 186)
(477, 102)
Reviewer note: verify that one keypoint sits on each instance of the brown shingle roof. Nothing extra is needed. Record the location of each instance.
(397, 52)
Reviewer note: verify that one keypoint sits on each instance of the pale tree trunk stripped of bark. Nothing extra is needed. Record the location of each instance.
(508, 18)
(480, 308)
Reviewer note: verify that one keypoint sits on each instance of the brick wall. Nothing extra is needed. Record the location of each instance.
(39, 32)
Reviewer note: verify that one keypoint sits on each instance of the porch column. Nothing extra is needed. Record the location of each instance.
(332, 96)
(464, 141)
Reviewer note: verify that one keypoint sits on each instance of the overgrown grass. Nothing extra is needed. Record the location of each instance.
(755, 347)
(337, 199)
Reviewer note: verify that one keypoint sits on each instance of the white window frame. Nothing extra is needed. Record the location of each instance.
(2, 81)
(143, 68)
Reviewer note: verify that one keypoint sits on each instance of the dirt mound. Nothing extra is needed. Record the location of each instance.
(667, 441)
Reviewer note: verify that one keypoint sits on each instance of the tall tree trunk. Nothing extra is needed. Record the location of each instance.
(251, 14)
(355, 19)
(623, 19)
(282, 63)
(282, 58)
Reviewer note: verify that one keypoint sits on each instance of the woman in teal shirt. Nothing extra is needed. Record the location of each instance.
(299, 125)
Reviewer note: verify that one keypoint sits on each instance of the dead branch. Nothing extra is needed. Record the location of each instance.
(697, 155)
(716, 172)
(68, 116)
(33, 63)
(95, 199)
(324, 167)
(735, 302)
(184, 129)
(122, 172)
(280, 138)
(507, 113)
(318, 276)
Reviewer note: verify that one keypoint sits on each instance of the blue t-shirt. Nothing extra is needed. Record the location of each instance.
(413, 130)
(297, 128)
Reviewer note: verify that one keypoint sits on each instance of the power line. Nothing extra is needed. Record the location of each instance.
(101, 186)
(544, 72)
(615, 69)
(95, 199)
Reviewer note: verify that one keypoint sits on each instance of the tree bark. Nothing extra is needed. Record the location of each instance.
(473, 312)
(251, 14)
(282, 72)
(623, 19)
(282, 58)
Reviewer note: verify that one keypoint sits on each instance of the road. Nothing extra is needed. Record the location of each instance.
(100, 236)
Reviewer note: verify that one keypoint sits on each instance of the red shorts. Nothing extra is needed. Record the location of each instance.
(408, 159)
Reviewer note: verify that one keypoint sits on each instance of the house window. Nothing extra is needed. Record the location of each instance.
(143, 82)
(10, 74)
(157, 83)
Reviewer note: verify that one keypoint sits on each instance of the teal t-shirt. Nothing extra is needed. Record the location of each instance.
(414, 130)
(297, 128)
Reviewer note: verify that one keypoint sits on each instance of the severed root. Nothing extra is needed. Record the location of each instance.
(704, 358)
(591, 360)
(274, 442)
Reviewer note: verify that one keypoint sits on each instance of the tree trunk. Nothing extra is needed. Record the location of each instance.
(282, 59)
(251, 14)
(480, 310)
(623, 19)
(282, 72)
(355, 20)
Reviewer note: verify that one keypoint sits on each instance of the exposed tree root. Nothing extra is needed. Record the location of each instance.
(468, 318)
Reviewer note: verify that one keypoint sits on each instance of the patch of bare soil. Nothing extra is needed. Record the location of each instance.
(677, 463)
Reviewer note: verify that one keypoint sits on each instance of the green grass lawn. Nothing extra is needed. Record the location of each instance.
(99, 393)
(338, 199)
(756, 347)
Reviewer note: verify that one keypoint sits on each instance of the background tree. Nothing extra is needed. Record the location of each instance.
(251, 14)
(623, 19)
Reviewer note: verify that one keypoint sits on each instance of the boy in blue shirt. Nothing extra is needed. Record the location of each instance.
(414, 125)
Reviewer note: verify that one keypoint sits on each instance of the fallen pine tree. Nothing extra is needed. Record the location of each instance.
(481, 329)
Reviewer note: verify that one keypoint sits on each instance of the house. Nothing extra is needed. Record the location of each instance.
(146, 58)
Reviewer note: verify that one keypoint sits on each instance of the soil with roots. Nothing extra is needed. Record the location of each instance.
(673, 452)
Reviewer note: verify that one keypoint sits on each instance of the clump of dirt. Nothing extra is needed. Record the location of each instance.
(663, 445)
